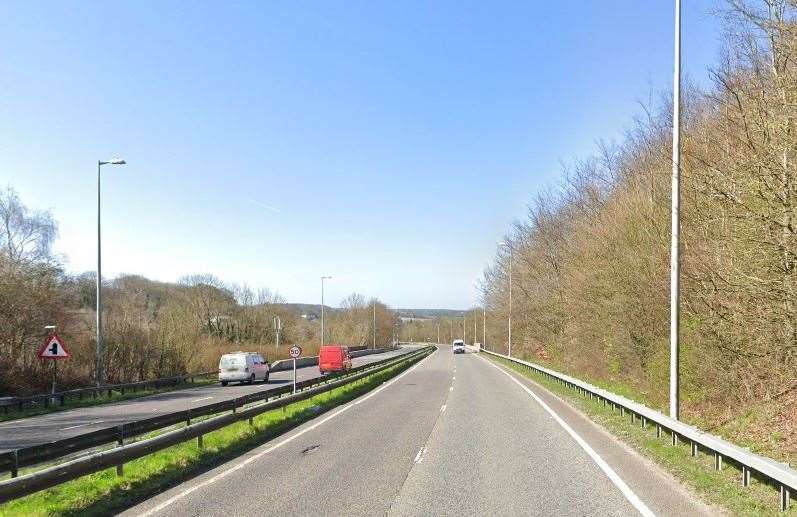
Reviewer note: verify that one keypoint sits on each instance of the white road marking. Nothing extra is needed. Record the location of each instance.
(81, 425)
(419, 456)
(259, 455)
(443, 408)
(610, 473)
(203, 398)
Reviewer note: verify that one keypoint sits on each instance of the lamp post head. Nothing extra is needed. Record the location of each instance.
(113, 161)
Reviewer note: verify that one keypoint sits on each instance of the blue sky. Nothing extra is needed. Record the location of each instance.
(388, 144)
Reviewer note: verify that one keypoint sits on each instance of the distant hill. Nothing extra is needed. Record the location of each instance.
(430, 314)
(314, 309)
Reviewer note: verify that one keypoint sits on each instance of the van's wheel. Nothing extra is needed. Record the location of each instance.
(265, 379)
(223, 383)
(251, 379)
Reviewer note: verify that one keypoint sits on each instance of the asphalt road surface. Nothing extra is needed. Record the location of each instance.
(454, 435)
(63, 424)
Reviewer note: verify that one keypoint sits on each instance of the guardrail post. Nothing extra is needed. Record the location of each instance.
(251, 420)
(199, 441)
(785, 498)
(622, 410)
(644, 423)
(674, 437)
(694, 449)
(633, 417)
(120, 469)
(717, 461)
(14, 464)
(745, 476)
(188, 415)
(658, 431)
(63, 399)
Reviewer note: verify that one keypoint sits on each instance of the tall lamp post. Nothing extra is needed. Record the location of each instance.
(509, 323)
(675, 218)
(322, 307)
(484, 326)
(374, 325)
(100, 344)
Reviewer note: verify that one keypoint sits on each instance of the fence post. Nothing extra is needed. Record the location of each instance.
(785, 497)
(120, 469)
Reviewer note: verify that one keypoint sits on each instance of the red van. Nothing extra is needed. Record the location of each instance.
(333, 358)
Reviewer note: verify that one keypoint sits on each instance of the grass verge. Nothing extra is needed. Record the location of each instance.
(101, 399)
(104, 493)
(722, 488)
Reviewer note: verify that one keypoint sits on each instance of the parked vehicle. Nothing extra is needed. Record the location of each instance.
(243, 367)
(458, 346)
(333, 358)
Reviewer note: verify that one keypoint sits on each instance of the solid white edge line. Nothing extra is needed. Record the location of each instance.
(610, 473)
(259, 455)
(81, 425)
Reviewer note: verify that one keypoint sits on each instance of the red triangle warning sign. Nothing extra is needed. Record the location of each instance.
(53, 348)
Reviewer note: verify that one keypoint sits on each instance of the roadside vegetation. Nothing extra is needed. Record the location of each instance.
(722, 488)
(590, 264)
(152, 329)
(103, 493)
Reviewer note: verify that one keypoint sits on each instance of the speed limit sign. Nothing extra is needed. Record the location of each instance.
(296, 351)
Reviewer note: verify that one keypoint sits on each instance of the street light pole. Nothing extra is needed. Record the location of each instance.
(509, 323)
(484, 327)
(675, 219)
(322, 307)
(374, 325)
(99, 344)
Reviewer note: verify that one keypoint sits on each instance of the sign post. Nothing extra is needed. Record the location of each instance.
(277, 329)
(53, 348)
(295, 353)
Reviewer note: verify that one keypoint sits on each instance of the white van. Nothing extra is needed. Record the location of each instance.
(459, 346)
(242, 367)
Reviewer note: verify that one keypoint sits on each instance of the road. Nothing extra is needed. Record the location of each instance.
(64, 424)
(454, 435)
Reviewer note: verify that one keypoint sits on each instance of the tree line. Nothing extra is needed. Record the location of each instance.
(151, 329)
(591, 256)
